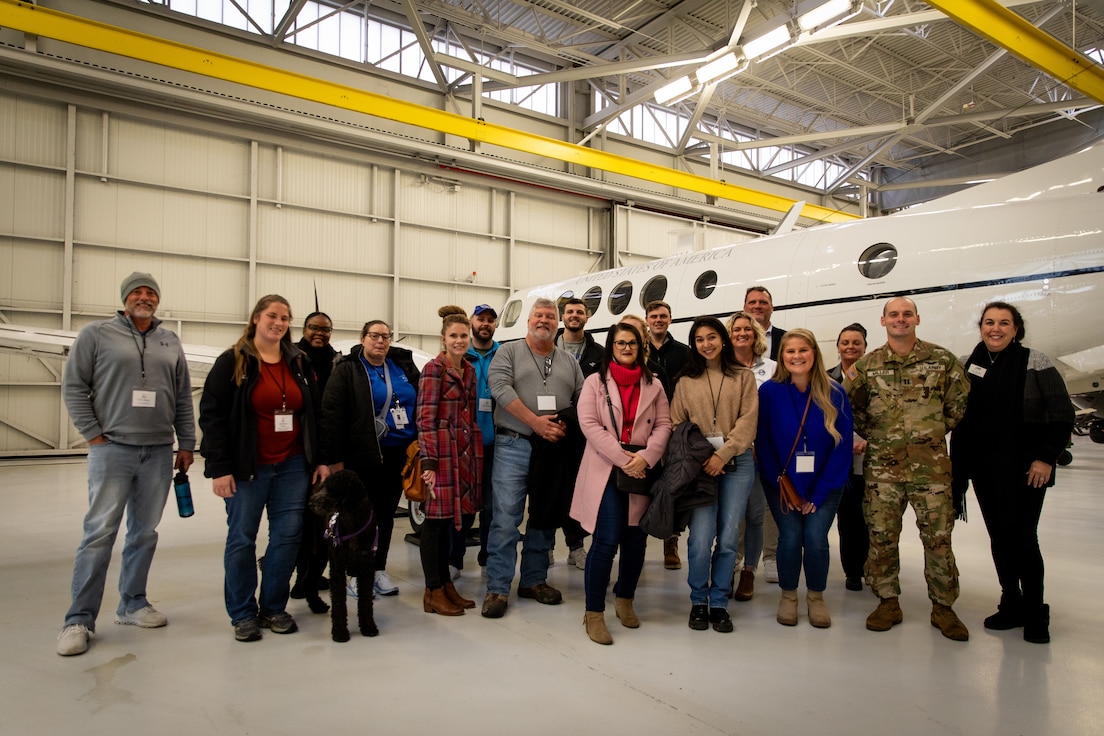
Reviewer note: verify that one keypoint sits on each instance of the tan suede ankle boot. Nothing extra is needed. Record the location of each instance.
(595, 623)
(818, 612)
(787, 608)
(623, 607)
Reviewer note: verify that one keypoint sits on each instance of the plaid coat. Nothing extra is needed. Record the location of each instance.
(450, 440)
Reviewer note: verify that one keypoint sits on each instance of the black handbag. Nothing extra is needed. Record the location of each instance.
(625, 482)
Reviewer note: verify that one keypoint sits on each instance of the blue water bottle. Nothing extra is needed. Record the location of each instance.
(183, 495)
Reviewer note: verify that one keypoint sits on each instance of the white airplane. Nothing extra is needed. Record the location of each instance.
(1034, 239)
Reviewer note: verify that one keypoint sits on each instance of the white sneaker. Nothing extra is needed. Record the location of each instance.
(383, 584)
(577, 557)
(454, 572)
(147, 618)
(73, 639)
(351, 590)
(770, 571)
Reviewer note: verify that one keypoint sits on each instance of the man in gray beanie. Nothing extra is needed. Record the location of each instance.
(127, 388)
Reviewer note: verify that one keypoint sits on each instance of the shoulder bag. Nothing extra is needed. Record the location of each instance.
(625, 482)
(788, 497)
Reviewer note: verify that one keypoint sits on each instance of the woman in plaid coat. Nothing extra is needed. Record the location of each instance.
(452, 457)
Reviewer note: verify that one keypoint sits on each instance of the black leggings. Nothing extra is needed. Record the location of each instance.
(1011, 510)
(434, 541)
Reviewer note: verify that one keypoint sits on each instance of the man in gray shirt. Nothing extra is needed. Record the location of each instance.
(127, 388)
(532, 381)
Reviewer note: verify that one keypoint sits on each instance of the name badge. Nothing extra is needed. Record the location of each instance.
(398, 413)
(805, 462)
(285, 421)
(977, 370)
(486, 405)
(145, 399)
(717, 441)
(546, 403)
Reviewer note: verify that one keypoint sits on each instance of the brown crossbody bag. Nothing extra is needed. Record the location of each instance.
(788, 496)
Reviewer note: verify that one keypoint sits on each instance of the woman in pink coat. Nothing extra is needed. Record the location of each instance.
(621, 406)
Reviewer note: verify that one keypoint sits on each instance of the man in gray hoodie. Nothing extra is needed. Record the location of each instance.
(127, 388)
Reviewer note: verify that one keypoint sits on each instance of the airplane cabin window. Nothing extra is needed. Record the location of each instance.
(592, 298)
(563, 298)
(654, 290)
(620, 297)
(510, 313)
(705, 284)
(877, 260)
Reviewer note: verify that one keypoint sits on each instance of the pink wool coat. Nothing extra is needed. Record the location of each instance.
(651, 428)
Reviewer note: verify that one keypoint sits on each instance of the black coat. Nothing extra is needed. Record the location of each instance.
(348, 409)
(683, 486)
(592, 356)
(229, 426)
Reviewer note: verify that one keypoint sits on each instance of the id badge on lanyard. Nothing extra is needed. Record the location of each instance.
(285, 420)
(805, 462)
(143, 398)
(398, 414)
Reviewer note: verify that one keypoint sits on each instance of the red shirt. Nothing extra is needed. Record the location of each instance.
(276, 390)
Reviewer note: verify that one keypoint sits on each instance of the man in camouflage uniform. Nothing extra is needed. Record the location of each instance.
(906, 396)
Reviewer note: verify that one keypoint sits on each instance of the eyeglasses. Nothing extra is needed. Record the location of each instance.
(378, 336)
(320, 328)
(622, 344)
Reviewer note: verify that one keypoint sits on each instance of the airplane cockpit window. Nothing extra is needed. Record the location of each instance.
(654, 290)
(592, 298)
(705, 284)
(877, 260)
(510, 313)
(620, 297)
(563, 298)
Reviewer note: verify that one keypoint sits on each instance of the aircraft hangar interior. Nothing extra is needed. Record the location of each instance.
(379, 159)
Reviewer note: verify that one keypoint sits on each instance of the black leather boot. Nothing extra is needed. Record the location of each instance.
(1037, 624)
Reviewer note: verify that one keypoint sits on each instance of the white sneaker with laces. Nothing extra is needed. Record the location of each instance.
(73, 639)
(770, 571)
(577, 557)
(383, 584)
(147, 618)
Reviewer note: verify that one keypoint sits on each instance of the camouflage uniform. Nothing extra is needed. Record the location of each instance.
(904, 406)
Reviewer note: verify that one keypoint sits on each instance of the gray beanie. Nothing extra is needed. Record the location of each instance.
(136, 279)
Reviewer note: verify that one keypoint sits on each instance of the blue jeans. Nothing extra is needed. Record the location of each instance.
(612, 530)
(134, 478)
(804, 533)
(510, 482)
(711, 567)
(282, 490)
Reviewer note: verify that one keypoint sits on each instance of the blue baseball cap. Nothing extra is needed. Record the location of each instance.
(485, 308)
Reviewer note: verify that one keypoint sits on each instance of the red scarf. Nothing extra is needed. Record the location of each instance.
(628, 386)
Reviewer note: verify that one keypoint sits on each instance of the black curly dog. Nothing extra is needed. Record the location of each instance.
(351, 536)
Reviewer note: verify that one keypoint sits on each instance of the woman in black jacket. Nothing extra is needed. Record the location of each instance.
(1018, 419)
(368, 423)
(258, 415)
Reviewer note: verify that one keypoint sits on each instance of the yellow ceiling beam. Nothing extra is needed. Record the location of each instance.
(1038, 48)
(84, 32)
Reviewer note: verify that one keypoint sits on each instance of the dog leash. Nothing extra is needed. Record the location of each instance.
(333, 532)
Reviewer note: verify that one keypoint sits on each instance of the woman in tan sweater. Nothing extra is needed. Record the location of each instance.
(718, 395)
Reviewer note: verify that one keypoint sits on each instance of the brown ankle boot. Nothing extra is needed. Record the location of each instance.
(787, 608)
(595, 623)
(623, 607)
(454, 596)
(947, 621)
(818, 612)
(671, 559)
(887, 615)
(435, 601)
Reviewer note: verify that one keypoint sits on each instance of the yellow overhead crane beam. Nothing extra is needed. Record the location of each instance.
(84, 32)
(1038, 48)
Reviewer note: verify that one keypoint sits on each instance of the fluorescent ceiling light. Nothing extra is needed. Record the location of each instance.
(768, 42)
(719, 68)
(674, 90)
(822, 16)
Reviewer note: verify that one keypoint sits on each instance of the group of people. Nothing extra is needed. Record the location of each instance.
(643, 436)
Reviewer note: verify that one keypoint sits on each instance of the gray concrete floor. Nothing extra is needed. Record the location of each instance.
(535, 671)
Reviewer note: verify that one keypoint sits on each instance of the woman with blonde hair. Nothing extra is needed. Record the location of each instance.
(451, 446)
(805, 430)
(260, 441)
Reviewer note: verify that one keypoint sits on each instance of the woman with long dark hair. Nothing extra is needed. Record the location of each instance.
(624, 415)
(717, 394)
(258, 415)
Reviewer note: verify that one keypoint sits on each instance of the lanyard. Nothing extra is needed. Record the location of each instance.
(141, 347)
(717, 399)
(547, 363)
(278, 376)
(385, 374)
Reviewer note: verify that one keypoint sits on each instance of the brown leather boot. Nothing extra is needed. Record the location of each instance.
(455, 597)
(818, 612)
(787, 608)
(435, 601)
(947, 621)
(671, 559)
(623, 607)
(745, 590)
(595, 623)
(887, 615)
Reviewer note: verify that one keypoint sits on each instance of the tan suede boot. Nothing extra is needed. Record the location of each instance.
(818, 612)
(623, 607)
(787, 608)
(887, 615)
(947, 621)
(595, 623)
(671, 559)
